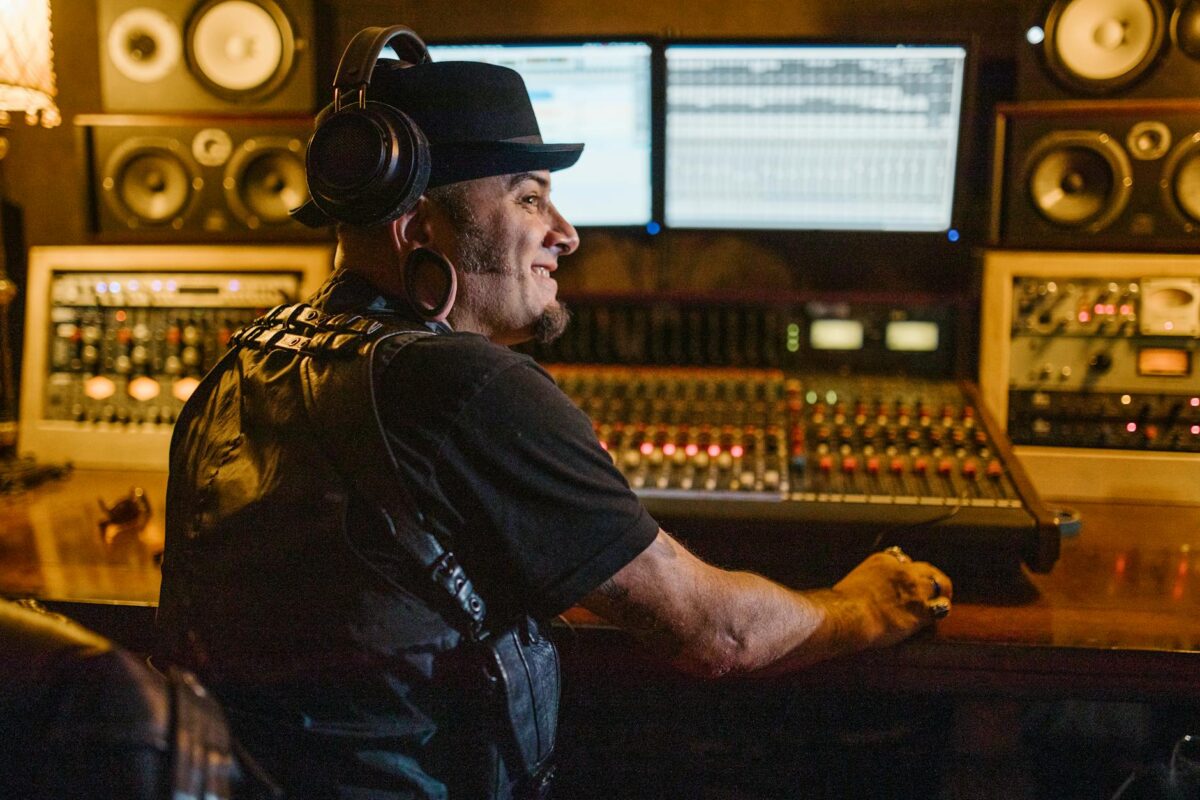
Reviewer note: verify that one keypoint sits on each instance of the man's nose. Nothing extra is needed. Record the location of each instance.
(562, 235)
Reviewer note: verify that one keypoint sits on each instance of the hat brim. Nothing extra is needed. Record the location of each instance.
(454, 162)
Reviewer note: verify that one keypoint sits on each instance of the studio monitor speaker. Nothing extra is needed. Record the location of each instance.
(1110, 48)
(203, 56)
(156, 179)
(1104, 175)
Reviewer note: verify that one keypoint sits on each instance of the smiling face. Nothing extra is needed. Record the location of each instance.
(505, 237)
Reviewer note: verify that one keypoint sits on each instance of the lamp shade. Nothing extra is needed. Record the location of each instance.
(27, 62)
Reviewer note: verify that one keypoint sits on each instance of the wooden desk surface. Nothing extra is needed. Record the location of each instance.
(1119, 616)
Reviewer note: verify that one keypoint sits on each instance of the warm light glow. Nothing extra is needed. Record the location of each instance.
(668, 449)
(99, 387)
(144, 388)
(1131, 427)
(183, 388)
(27, 63)
(646, 448)
(737, 451)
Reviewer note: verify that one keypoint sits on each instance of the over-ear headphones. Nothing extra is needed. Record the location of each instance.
(368, 163)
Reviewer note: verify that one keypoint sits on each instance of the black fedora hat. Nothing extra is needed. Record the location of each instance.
(477, 118)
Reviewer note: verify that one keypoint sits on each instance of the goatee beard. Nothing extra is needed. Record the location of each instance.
(551, 323)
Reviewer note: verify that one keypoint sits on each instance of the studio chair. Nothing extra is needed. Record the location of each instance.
(82, 718)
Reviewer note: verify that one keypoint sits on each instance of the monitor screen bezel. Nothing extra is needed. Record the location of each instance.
(964, 152)
(653, 225)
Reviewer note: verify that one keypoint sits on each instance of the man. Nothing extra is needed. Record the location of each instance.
(290, 581)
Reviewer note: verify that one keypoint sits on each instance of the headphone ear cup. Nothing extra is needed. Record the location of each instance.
(367, 165)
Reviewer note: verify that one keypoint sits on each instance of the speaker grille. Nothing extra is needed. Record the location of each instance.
(147, 181)
(205, 56)
(196, 179)
(1105, 174)
(1102, 45)
(240, 50)
(1078, 179)
(265, 180)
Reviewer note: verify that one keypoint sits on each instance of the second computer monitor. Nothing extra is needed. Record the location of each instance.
(813, 136)
(598, 93)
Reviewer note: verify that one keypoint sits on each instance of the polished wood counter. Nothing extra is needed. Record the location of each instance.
(1118, 617)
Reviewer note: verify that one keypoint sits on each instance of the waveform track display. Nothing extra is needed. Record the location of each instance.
(813, 137)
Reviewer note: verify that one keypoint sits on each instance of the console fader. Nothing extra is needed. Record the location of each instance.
(754, 466)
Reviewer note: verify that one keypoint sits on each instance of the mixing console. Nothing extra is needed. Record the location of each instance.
(119, 337)
(903, 460)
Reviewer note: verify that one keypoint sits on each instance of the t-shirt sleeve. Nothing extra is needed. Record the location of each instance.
(541, 493)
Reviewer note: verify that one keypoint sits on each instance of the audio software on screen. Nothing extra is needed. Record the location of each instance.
(817, 137)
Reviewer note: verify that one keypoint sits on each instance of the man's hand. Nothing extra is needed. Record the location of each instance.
(898, 595)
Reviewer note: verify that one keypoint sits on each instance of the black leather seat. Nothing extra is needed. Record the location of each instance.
(81, 718)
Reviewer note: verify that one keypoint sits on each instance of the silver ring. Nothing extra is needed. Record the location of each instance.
(937, 588)
(940, 608)
(898, 554)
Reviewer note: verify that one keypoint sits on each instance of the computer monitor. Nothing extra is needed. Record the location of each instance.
(813, 136)
(595, 92)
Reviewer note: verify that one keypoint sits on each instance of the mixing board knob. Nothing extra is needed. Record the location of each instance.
(970, 469)
(825, 464)
(849, 465)
(1100, 363)
(921, 466)
(945, 467)
(896, 466)
(994, 470)
(90, 354)
(873, 466)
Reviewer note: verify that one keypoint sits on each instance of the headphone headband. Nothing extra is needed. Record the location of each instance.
(362, 54)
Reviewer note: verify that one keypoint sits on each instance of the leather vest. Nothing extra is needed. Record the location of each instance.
(300, 582)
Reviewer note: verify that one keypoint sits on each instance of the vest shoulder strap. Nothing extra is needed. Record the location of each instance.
(342, 356)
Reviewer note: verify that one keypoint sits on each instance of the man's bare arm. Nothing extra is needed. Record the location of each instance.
(715, 622)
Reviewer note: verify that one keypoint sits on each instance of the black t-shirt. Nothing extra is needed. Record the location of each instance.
(510, 472)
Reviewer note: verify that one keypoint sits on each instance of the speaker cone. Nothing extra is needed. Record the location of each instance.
(1100, 46)
(265, 179)
(241, 50)
(1078, 179)
(144, 45)
(1181, 181)
(1185, 27)
(148, 182)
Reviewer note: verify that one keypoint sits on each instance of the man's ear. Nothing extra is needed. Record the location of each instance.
(413, 229)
